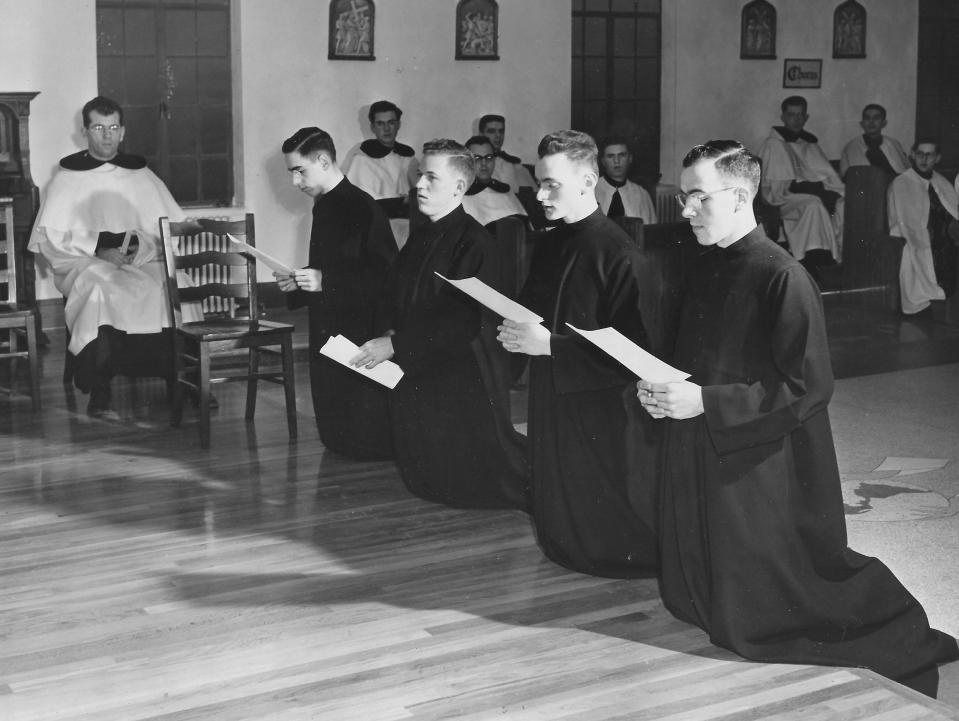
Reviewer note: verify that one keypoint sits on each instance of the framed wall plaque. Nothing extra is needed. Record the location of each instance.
(477, 30)
(351, 29)
(849, 30)
(758, 31)
(802, 73)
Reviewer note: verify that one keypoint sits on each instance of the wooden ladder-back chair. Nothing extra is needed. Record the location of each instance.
(16, 322)
(201, 247)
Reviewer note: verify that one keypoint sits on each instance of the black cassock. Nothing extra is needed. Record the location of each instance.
(587, 274)
(753, 533)
(453, 438)
(352, 244)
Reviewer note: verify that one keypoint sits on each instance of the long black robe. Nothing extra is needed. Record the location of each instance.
(352, 244)
(586, 273)
(452, 434)
(753, 535)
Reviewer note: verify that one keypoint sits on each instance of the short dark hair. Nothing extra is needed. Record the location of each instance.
(309, 142)
(459, 158)
(612, 140)
(874, 106)
(384, 106)
(102, 105)
(579, 147)
(478, 140)
(732, 161)
(490, 118)
(926, 140)
(795, 100)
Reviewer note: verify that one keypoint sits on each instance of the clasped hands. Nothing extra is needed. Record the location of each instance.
(676, 399)
(308, 279)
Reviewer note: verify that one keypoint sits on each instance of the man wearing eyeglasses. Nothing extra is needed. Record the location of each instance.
(752, 533)
(921, 209)
(386, 168)
(488, 199)
(800, 181)
(98, 230)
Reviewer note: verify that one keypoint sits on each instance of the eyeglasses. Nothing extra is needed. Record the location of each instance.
(101, 129)
(699, 198)
(484, 158)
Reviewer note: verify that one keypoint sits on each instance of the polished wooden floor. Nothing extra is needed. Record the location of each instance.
(145, 578)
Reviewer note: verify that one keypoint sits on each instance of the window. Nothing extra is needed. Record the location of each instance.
(167, 62)
(616, 72)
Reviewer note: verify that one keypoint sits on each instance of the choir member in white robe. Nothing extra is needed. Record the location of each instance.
(912, 212)
(488, 199)
(799, 180)
(386, 168)
(633, 201)
(872, 147)
(508, 168)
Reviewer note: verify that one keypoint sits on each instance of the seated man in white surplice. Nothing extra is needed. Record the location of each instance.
(488, 199)
(98, 228)
(798, 179)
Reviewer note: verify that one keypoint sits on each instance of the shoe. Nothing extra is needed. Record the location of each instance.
(99, 405)
(194, 397)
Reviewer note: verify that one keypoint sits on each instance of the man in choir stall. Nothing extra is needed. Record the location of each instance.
(452, 434)
(508, 168)
(97, 228)
(488, 199)
(921, 207)
(618, 196)
(799, 180)
(752, 532)
(585, 272)
(351, 249)
(872, 147)
(386, 168)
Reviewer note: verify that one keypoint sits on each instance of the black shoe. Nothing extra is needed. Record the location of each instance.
(99, 405)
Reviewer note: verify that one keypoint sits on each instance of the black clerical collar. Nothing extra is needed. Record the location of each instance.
(84, 161)
(507, 157)
(790, 137)
(375, 149)
(495, 185)
(924, 176)
(872, 142)
(615, 183)
(595, 216)
(442, 224)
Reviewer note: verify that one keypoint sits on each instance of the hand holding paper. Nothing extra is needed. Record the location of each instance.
(343, 350)
(273, 263)
(643, 364)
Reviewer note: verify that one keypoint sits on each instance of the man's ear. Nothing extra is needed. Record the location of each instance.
(589, 179)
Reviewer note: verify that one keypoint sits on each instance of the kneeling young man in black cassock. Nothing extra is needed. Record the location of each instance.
(752, 528)
(452, 434)
(584, 272)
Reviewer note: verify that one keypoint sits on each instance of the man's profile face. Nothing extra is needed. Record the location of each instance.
(615, 161)
(440, 187)
(307, 173)
(872, 123)
(484, 159)
(794, 117)
(495, 130)
(104, 135)
(563, 187)
(925, 157)
(712, 218)
(385, 126)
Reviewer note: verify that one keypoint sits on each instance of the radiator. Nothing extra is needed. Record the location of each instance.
(667, 209)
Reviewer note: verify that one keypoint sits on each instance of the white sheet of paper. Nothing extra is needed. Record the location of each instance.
(343, 349)
(278, 266)
(494, 300)
(642, 363)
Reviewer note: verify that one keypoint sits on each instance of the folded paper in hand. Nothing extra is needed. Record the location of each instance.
(494, 300)
(643, 364)
(277, 265)
(342, 350)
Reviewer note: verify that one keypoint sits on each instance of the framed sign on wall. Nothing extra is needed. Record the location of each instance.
(802, 73)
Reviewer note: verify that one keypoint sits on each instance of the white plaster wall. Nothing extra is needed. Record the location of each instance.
(708, 92)
(49, 46)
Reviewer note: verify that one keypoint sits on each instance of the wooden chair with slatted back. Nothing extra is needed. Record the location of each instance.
(201, 247)
(16, 322)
